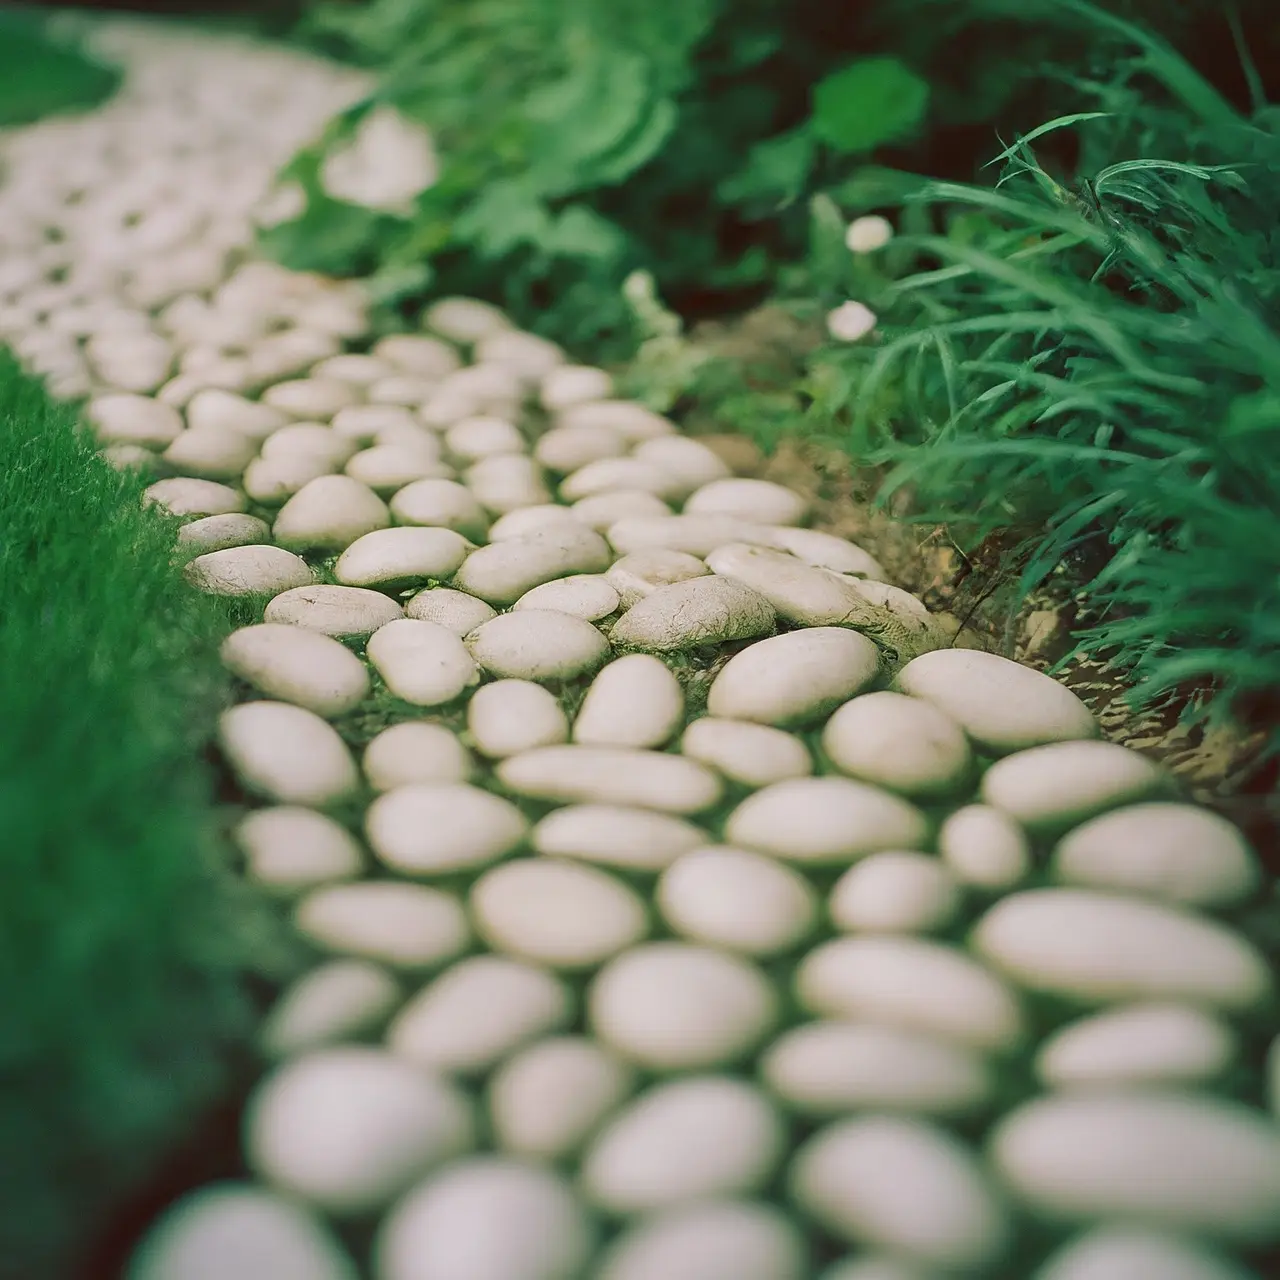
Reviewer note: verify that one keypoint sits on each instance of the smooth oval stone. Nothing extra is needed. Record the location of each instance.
(341, 612)
(633, 421)
(1097, 947)
(510, 716)
(528, 355)
(1134, 1253)
(503, 571)
(507, 482)
(754, 755)
(358, 370)
(913, 984)
(606, 475)
(341, 1000)
(587, 596)
(537, 644)
(363, 423)
(825, 551)
(211, 452)
(1066, 782)
(568, 449)
(936, 1208)
(641, 573)
(328, 514)
(825, 820)
(699, 611)
(421, 662)
(436, 829)
(878, 1266)
(396, 558)
(400, 924)
(668, 1006)
(760, 501)
(310, 397)
(217, 533)
(689, 461)
(287, 754)
(900, 743)
(289, 848)
(350, 1128)
(456, 610)
(603, 510)
(464, 320)
(1182, 1161)
(612, 776)
(895, 892)
(694, 535)
(560, 914)
(569, 384)
(635, 839)
(271, 481)
(394, 464)
(478, 1012)
(799, 593)
(1002, 705)
(235, 1229)
(428, 357)
(249, 571)
(794, 678)
(444, 504)
(415, 751)
(635, 701)
(708, 1241)
(682, 1141)
(291, 664)
(216, 407)
(1136, 1044)
(547, 1100)
(737, 900)
(1176, 852)
(131, 419)
(984, 848)
(486, 1219)
(526, 520)
(832, 1068)
(185, 496)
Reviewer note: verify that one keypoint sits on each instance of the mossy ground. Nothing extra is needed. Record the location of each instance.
(125, 941)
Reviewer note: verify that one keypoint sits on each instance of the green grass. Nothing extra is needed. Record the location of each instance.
(125, 940)
(1096, 365)
(40, 75)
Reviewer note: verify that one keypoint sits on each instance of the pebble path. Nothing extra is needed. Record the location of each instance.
(668, 926)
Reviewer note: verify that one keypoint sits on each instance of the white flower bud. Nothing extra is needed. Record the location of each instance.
(866, 235)
(850, 321)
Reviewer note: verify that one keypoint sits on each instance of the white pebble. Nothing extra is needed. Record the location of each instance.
(456, 610)
(603, 510)
(568, 384)
(613, 776)
(631, 420)
(405, 925)
(1001, 705)
(694, 535)
(682, 1141)
(794, 678)
(825, 551)
(586, 595)
(340, 1000)
(754, 755)
(737, 900)
(507, 482)
(427, 357)
(642, 572)
(537, 644)
(618, 836)
(825, 820)
(291, 664)
(289, 848)
(548, 1099)
(287, 754)
(903, 744)
(568, 449)
(1185, 1162)
(477, 1013)
(443, 504)
(1176, 852)
(913, 984)
(526, 520)
(215, 407)
(464, 320)
(503, 571)
(984, 848)
(187, 496)
(686, 615)
(673, 1007)
(895, 892)
(1099, 947)
(211, 452)
(415, 751)
(362, 424)
(131, 419)
(341, 612)
(904, 1186)
(310, 398)
(528, 355)
(633, 702)
(690, 461)
(393, 559)
(1137, 1253)
(217, 533)
(426, 829)
(348, 1129)
(608, 475)
(761, 501)
(486, 1219)
(328, 514)
(421, 662)
(1155, 1044)
(482, 437)
(507, 717)
(271, 481)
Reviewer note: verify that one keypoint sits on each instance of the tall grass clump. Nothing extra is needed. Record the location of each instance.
(125, 941)
(1096, 364)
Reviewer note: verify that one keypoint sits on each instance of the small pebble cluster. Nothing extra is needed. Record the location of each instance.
(684, 908)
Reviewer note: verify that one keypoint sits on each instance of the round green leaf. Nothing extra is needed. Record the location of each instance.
(869, 103)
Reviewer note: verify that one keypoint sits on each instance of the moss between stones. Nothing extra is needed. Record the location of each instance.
(127, 946)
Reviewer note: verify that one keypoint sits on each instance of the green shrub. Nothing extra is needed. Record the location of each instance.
(125, 940)
(40, 75)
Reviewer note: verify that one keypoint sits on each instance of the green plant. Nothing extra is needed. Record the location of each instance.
(1099, 363)
(126, 940)
(40, 75)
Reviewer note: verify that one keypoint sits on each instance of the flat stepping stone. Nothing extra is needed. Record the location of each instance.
(346, 613)
(249, 571)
